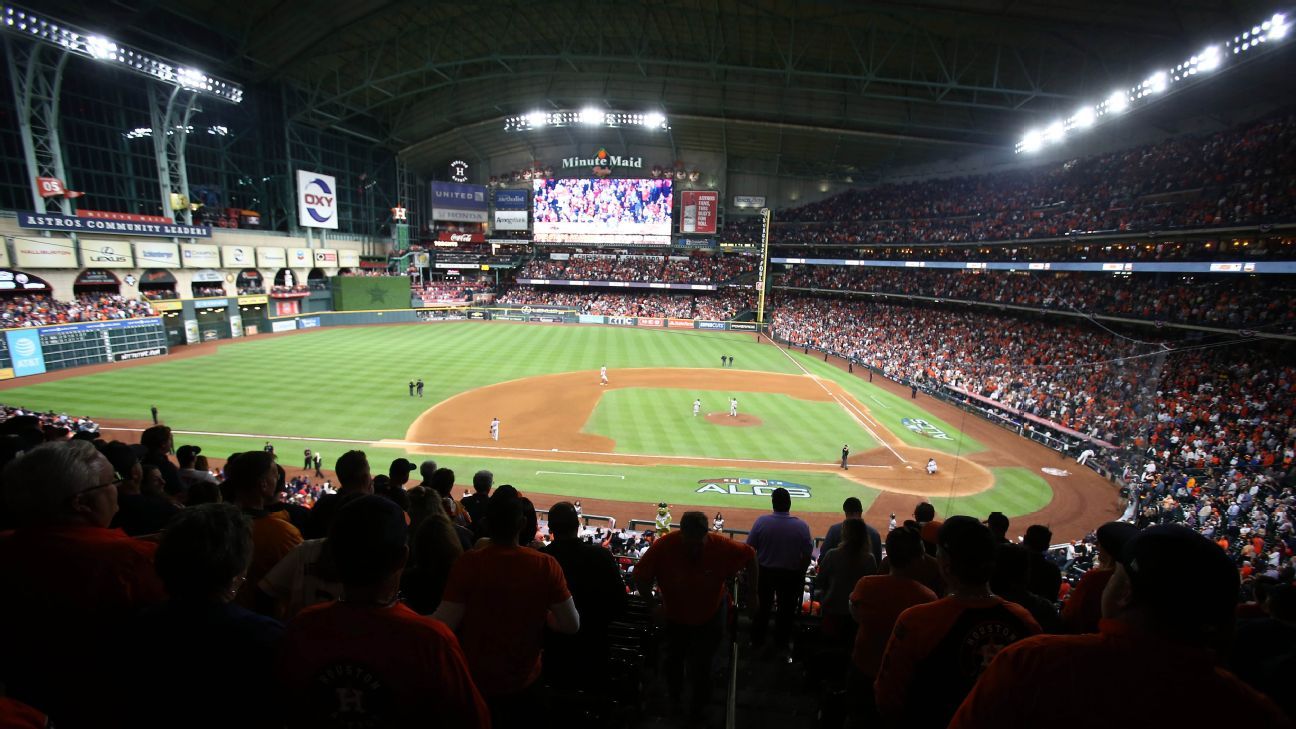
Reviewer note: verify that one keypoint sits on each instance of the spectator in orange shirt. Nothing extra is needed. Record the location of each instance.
(937, 650)
(1168, 605)
(691, 566)
(69, 582)
(367, 659)
(499, 598)
(876, 603)
(252, 478)
(1083, 608)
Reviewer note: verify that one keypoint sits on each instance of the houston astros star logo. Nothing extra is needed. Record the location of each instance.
(377, 294)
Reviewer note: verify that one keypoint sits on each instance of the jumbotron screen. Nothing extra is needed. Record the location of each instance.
(579, 209)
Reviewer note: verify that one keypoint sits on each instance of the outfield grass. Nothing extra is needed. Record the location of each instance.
(650, 420)
(349, 384)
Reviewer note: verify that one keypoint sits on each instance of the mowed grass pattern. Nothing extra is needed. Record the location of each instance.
(352, 382)
(652, 420)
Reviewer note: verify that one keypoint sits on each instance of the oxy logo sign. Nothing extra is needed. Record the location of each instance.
(751, 487)
(25, 349)
(317, 200)
(922, 427)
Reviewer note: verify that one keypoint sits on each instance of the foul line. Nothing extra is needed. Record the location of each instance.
(395, 443)
(879, 402)
(572, 473)
(850, 408)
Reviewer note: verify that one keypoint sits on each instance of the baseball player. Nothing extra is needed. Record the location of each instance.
(418, 386)
(845, 455)
(603, 375)
(931, 466)
(411, 388)
(319, 463)
(733, 407)
(494, 430)
(309, 461)
(697, 407)
(1085, 455)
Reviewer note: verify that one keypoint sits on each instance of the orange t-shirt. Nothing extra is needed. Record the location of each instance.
(506, 593)
(924, 672)
(1083, 608)
(1019, 689)
(880, 599)
(273, 537)
(361, 665)
(691, 590)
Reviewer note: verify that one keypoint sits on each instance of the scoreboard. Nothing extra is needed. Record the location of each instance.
(40, 349)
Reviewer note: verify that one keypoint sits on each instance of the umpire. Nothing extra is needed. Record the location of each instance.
(845, 455)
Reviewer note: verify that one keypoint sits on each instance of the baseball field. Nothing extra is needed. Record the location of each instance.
(620, 447)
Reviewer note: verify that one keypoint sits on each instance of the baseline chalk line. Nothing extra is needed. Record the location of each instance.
(573, 473)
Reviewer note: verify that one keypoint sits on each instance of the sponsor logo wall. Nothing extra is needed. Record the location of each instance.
(698, 211)
(106, 254)
(459, 203)
(511, 220)
(75, 224)
(157, 255)
(512, 200)
(301, 258)
(238, 256)
(710, 325)
(348, 258)
(317, 200)
(44, 254)
(326, 258)
(25, 350)
(749, 201)
(271, 257)
(196, 255)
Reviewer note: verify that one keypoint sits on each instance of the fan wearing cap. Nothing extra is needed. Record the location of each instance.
(189, 473)
(938, 649)
(1168, 604)
(1083, 608)
(367, 659)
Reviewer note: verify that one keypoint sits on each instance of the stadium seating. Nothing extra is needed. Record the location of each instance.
(39, 310)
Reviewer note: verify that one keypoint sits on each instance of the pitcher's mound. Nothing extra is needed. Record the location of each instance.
(739, 421)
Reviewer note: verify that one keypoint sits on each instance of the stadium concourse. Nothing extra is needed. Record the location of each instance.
(1070, 228)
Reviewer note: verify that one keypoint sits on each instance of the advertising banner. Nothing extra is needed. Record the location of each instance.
(44, 253)
(128, 217)
(326, 258)
(75, 224)
(308, 322)
(510, 220)
(25, 351)
(749, 201)
(348, 258)
(253, 299)
(4, 254)
(710, 325)
(236, 325)
(157, 255)
(191, 331)
(679, 323)
(651, 321)
(455, 215)
(197, 255)
(742, 326)
(301, 257)
(21, 281)
(106, 254)
(238, 256)
(456, 196)
(283, 326)
(621, 321)
(591, 319)
(512, 199)
(699, 209)
(316, 200)
(207, 275)
(271, 257)
(446, 235)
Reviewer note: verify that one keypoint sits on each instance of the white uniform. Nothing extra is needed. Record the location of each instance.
(733, 407)
(931, 466)
(603, 374)
(494, 428)
(697, 407)
(1085, 455)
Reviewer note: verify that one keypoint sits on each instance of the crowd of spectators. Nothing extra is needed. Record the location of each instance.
(212, 290)
(32, 310)
(1240, 176)
(159, 294)
(724, 305)
(608, 303)
(697, 268)
(1242, 249)
(247, 290)
(450, 292)
(1220, 300)
(294, 290)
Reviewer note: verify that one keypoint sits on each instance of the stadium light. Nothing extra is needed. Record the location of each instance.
(23, 22)
(1054, 132)
(1212, 58)
(589, 116)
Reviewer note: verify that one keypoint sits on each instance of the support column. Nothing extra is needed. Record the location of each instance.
(170, 112)
(36, 74)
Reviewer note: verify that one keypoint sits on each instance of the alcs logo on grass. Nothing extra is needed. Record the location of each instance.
(922, 427)
(751, 487)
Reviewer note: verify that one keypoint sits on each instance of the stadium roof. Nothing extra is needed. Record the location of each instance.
(834, 89)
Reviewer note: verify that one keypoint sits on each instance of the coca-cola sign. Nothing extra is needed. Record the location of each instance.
(446, 235)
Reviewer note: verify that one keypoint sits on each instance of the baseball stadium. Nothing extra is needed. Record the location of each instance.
(646, 365)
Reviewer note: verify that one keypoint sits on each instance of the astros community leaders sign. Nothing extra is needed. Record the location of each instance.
(72, 224)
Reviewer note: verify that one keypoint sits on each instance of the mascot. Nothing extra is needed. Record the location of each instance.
(663, 520)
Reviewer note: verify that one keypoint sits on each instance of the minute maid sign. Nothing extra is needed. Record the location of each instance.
(602, 160)
(751, 487)
(922, 427)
